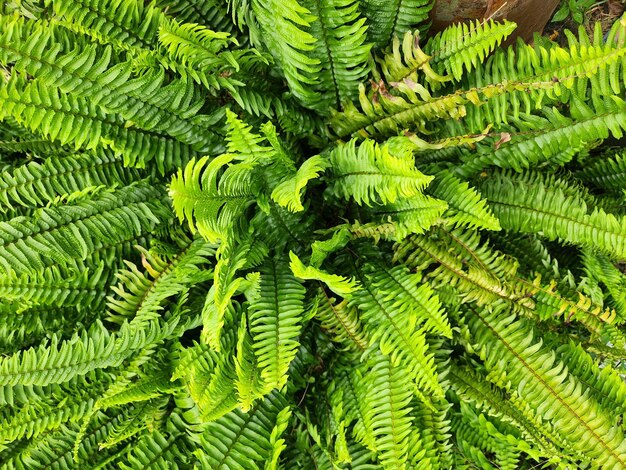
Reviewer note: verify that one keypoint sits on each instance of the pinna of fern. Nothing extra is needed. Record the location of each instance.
(204, 266)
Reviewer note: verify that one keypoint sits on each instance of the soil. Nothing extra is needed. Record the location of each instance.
(606, 12)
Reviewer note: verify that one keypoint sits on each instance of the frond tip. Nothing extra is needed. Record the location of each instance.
(213, 197)
(375, 174)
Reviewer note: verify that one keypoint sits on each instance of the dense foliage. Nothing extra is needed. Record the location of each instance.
(306, 234)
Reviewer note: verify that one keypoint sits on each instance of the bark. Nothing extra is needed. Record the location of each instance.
(531, 16)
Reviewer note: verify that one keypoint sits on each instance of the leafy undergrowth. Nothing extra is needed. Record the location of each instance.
(245, 234)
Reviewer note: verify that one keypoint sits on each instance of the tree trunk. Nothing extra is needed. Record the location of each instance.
(531, 16)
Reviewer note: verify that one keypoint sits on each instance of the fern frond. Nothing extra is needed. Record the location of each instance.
(465, 206)
(284, 26)
(479, 280)
(249, 383)
(533, 203)
(341, 322)
(338, 284)
(213, 208)
(52, 412)
(600, 268)
(210, 13)
(54, 449)
(459, 47)
(71, 285)
(74, 120)
(134, 421)
(285, 229)
(415, 214)
(275, 321)
(387, 395)
(555, 393)
(389, 19)
(404, 60)
(387, 303)
(605, 382)
(475, 389)
(140, 295)
(26, 326)
(88, 350)
(242, 440)
(374, 173)
(158, 448)
(340, 50)
(411, 107)
(246, 144)
(583, 65)
(200, 53)
(559, 139)
(93, 73)
(289, 192)
(61, 234)
(607, 173)
(276, 442)
(118, 21)
(225, 286)
(34, 184)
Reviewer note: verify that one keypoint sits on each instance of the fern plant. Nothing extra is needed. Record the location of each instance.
(307, 234)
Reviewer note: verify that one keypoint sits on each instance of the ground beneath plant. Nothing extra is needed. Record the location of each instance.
(605, 12)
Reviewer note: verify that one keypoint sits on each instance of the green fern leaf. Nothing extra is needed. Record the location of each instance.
(375, 173)
(213, 208)
(275, 322)
(535, 204)
(460, 47)
(340, 50)
(392, 19)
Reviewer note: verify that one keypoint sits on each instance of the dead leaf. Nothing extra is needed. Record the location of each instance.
(504, 137)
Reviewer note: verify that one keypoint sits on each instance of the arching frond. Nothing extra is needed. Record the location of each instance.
(555, 393)
(533, 203)
(64, 233)
(458, 48)
(74, 120)
(372, 173)
(340, 50)
(118, 21)
(33, 184)
(71, 285)
(392, 19)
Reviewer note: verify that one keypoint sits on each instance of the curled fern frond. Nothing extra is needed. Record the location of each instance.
(372, 173)
(213, 208)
